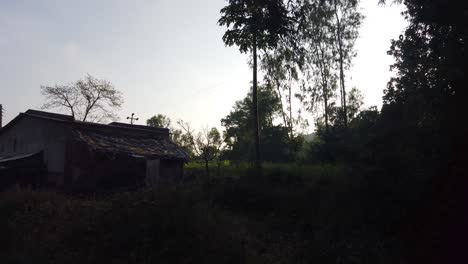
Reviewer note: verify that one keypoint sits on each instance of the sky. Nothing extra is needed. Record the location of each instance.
(166, 56)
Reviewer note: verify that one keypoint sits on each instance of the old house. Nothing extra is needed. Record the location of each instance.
(46, 149)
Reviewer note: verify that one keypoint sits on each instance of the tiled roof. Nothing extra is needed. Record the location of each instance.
(132, 145)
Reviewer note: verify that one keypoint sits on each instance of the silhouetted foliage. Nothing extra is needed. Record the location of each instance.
(420, 135)
(429, 88)
(208, 145)
(260, 23)
(159, 121)
(275, 142)
(254, 25)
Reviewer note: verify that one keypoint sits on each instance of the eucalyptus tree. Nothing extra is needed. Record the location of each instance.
(320, 79)
(345, 22)
(281, 73)
(254, 25)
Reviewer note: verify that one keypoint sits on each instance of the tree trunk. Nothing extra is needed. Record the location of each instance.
(341, 61)
(325, 101)
(290, 116)
(255, 106)
(280, 98)
(324, 76)
(207, 168)
(343, 92)
(342, 81)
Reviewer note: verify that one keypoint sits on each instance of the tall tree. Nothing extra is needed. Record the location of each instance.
(427, 99)
(429, 88)
(254, 25)
(317, 46)
(86, 99)
(281, 72)
(275, 143)
(346, 22)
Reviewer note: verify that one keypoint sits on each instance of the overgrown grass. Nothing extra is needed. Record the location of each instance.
(272, 171)
(167, 226)
(292, 214)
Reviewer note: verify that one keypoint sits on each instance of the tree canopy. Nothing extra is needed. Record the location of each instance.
(159, 121)
(264, 22)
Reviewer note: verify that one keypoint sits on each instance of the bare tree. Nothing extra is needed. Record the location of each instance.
(88, 99)
(206, 145)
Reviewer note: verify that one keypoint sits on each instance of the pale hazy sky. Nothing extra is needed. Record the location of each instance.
(166, 56)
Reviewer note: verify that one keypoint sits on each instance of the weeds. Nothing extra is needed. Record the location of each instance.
(292, 214)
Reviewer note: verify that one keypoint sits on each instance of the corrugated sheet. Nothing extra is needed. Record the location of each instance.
(139, 146)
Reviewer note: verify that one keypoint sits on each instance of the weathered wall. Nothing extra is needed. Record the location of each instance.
(31, 135)
(171, 170)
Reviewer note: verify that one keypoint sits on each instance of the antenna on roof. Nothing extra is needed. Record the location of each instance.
(132, 118)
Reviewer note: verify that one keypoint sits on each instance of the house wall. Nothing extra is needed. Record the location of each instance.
(29, 135)
(152, 172)
(171, 170)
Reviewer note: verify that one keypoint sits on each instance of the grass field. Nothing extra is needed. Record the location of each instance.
(273, 171)
(292, 214)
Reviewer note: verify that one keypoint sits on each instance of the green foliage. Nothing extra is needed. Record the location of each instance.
(159, 121)
(354, 144)
(274, 140)
(419, 129)
(354, 103)
(278, 172)
(430, 64)
(263, 22)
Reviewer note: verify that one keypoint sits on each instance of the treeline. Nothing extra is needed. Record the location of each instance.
(414, 147)
(306, 45)
(304, 49)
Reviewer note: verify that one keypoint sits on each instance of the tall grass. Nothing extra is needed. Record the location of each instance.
(166, 226)
(291, 214)
(274, 171)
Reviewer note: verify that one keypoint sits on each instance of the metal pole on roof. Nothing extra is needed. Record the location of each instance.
(1, 115)
(132, 118)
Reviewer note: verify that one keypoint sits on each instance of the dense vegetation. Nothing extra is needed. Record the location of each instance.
(282, 217)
